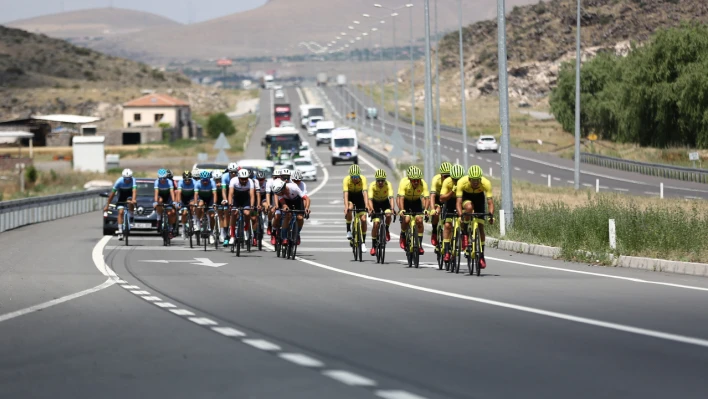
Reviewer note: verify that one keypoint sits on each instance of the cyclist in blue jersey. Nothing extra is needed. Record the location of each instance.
(127, 190)
(205, 197)
(185, 198)
(231, 172)
(164, 196)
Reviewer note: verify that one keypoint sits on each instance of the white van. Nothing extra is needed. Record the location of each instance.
(344, 145)
(303, 114)
(323, 131)
(312, 124)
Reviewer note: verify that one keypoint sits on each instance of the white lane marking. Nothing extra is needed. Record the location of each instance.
(262, 344)
(301, 360)
(531, 172)
(397, 395)
(228, 331)
(121, 281)
(182, 312)
(498, 163)
(570, 181)
(203, 321)
(349, 378)
(140, 292)
(587, 185)
(620, 189)
(515, 168)
(130, 287)
(299, 94)
(151, 298)
(165, 305)
(557, 315)
(97, 256)
(558, 179)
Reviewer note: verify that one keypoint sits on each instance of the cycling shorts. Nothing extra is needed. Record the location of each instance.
(478, 201)
(242, 199)
(357, 199)
(415, 205)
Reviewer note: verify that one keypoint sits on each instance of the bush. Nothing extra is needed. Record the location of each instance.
(219, 123)
(31, 174)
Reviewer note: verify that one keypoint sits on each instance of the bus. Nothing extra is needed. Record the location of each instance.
(281, 140)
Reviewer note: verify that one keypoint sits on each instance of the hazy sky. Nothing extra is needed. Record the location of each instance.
(178, 10)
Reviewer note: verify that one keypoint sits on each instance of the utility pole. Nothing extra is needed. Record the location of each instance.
(428, 98)
(577, 104)
(438, 157)
(507, 199)
(413, 127)
(462, 90)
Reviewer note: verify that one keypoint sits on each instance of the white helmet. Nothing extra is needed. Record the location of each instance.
(297, 175)
(127, 173)
(285, 172)
(276, 172)
(278, 186)
(233, 167)
(195, 173)
(243, 174)
(216, 175)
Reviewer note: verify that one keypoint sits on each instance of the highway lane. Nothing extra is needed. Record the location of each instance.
(326, 326)
(531, 166)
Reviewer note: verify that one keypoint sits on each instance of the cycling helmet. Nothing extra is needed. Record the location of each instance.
(205, 175)
(216, 175)
(285, 172)
(354, 170)
(169, 174)
(243, 174)
(445, 168)
(161, 174)
(187, 174)
(195, 172)
(276, 172)
(278, 186)
(457, 171)
(297, 175)
(260, 175)
(475, 172)
(233, 167)
(414, 173)
(380, 174)
(127, 173)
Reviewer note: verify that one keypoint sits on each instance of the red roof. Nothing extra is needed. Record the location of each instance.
(156, 100)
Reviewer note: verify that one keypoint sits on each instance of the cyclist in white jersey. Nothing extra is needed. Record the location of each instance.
(242, 194)
(284, 176)
(271, 205)
(290, 197)
(297, 179)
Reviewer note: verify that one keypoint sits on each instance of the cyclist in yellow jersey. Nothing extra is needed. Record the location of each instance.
(436, 205)
(448, 195)
(413, 196)
(380, 200)
(471, 193)
(355, 197)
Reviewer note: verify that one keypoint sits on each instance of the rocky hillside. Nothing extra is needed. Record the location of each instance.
(31, 60)
(542, 36)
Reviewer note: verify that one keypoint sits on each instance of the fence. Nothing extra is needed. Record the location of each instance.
(22, 212)
(645, 168)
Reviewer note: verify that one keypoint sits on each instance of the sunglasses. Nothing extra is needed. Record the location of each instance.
(355, 177)
(380, 180)
(415, 180)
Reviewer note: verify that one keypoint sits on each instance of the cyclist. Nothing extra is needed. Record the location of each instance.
(222, 203)
(290, 197)
(242, 194)
(380, 200)
(471, 191)
(355, 197)
(205, 197)
(413, 195)
(171, 178)
(435, 187)
(127, 190)
(271, 204)
(185, 198)
(448, 197)
(284, 176)
(231, 171)
(164, 196)
(297, 179)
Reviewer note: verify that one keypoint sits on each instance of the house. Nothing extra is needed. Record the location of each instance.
(155, 109)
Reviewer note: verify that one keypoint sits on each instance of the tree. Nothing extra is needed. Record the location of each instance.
(219, 123)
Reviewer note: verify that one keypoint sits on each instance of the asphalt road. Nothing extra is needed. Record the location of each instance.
(324, 326)
(528, 165)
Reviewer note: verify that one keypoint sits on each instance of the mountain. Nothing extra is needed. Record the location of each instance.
(92, 23)
(30, 60)
(277, 27)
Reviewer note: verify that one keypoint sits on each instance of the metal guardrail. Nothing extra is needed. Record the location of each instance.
(645, 168)
(22, 212)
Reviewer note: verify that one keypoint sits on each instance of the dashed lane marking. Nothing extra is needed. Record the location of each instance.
(228, 331)
(165, 305)
(397, 395)
(349, 378)
(182, 312)
(140, 292)
(152, 298)
(262, 344)
(301, 360)
(203, 321)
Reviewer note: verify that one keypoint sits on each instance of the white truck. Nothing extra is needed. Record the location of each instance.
(323, 132)
(344, 145)
(321, 79)
(341, 80)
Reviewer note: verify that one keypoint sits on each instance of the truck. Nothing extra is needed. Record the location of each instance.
(267, 82)
(341, 80)
(281, 112)
(321, 79)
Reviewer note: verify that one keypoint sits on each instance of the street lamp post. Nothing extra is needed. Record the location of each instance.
(462, 89)
(577, 104)
(507, 199)
(428, 99)
(438, 158)
(413, 127)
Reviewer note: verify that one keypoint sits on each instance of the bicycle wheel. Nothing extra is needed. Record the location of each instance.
(239, 232)
(457, 255)
(205, 231)
(409, 250)
(478, 253)
(126, 228)
(189, 230)
(355, 240)
(416, 252)
(247, 234)
(217, 231)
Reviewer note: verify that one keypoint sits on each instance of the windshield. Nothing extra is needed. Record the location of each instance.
(344, 142)
(146, 189)
(282, 114)
(487, 138)
(303, 162)
(324, 130)
(316, 112)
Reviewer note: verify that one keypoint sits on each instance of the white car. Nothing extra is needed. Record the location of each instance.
(487, 143)
(307, 168)
(305, 150)
(278, 87)
(279, 94)
(312, 124)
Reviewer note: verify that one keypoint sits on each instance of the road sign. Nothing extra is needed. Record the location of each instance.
(693, 156)
(222, 143)
(592, 137)
(195, 261)
(221, 157)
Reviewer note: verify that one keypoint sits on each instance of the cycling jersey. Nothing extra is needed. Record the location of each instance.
(124, 188)
(163, 189)
(205, 189)
(436, 184)
(465, 187)
(348, 185)
(383, 193)
(219, 193)
(302, 186)
(187, 190)
(410, 193)
(449, 186)
(242, 196)
(293, 198)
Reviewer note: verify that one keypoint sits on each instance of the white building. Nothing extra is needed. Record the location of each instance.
(153, 109)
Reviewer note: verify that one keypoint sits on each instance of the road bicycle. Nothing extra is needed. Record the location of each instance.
(381, 238)
(165, 224)
(453, 265)
(357, 235)
(205, 229)
(413, 242)
(189, 224)
(292, 233)
(473, 252)
(127, 220)
(439, 232)
(242, 235)
(262, 222)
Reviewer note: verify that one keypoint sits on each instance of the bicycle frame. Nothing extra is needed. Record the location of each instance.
(357, 234)
(474, 250)
(412, 242)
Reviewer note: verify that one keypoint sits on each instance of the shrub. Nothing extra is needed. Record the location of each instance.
(218, 123)
(31, 174)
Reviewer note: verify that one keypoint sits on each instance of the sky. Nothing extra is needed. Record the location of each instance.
(178, 10)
